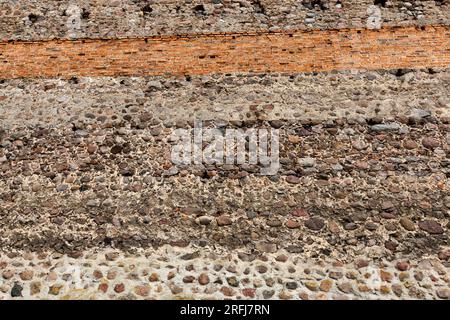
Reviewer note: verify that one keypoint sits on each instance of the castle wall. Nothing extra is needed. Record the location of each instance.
(92, 206)
(38, 20)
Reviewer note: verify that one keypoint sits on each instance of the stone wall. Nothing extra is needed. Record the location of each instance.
(80, 170)
(212, 273)
(34, 20)
(92, 207)
(356, 96)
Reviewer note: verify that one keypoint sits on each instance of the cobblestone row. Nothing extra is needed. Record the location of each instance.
(319, 97)
(206, 273)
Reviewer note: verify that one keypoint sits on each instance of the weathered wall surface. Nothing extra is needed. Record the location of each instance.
(91, 205)
(212, 273)
(307, 98)
(81, 170)
(293, 52)
(33, 20)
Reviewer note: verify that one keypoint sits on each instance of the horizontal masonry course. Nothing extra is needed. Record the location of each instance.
(285, 52)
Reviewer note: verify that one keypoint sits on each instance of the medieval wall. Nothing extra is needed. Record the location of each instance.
(91, 205)
(33, 20)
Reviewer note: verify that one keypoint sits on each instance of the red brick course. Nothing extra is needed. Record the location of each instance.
(284, 52)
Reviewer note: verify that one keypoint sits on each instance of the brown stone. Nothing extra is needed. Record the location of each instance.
(55, 289)
(362, 263)
(266, 247)
(75, 254)
(92, 148)
(407, 224)
(363, 288)
(142, 290)
(233, 281)
(345, 287)
(292, 179)
(334, 227)
(249, 293)
(119, 288)
(274, 223)
(443, 293)
(35, 287)
(26, 275)
(326, 285)
(431, 143)
(176, 289)
(182, 243)
(203, 279)
(335, 274)
(223, 220)
(385, 289)
(386, 276)
(112, 256)
(281, 258)
(391, 245)
(153, 277)
(103, 287)
(311, 285)
(98, 274)
(283, 295)
(300, 213)
(314, 223)
(397, 289)
(409, 144)
(227, 291)
(431, 227)
(444, 255)
(294, 139)
(8, 274)
(188, 279)
(52, 276)
(303, 296)
(403, 276)
(292, 224)
(402, 265)
(111, 275)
